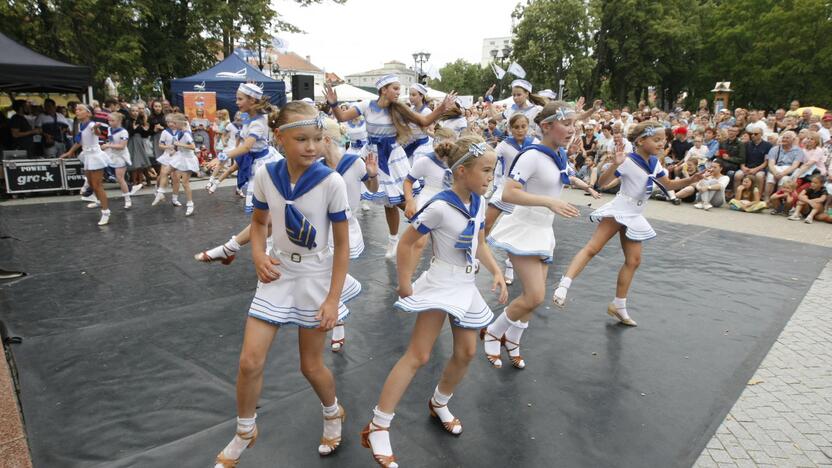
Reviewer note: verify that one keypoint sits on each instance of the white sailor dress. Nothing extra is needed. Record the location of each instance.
(421, 144)
(305, 274)
(167, 138)
(392, 160)
(627, 208)
(530, 111)
(357, 135)
(434, 175)
(506, 152)
(457, 124)
(232, 140)
(258, 155)
(448, 285)
(184, 159)
(354, 172)
(93, 157)
(528, 230)
(118, 157)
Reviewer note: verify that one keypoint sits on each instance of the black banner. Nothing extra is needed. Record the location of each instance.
(73, 174)
(33, 176)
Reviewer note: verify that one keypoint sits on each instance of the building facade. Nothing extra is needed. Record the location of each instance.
(367, 80)
(493, 43)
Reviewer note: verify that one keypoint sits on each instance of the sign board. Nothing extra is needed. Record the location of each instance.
(38, 175)
(73, 174)
(200, 105)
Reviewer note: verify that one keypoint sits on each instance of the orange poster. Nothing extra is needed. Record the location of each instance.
(200, 105)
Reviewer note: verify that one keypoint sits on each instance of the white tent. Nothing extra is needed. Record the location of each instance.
(347, 93)
(433, 94)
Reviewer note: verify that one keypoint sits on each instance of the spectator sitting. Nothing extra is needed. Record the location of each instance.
(698, 153)
(711, 142)
(731, 151)
(826, 129)
(711, 189)
(588, 172)
(811, 199)
(492, 134)
(783, 160)
(814, 158)
(747, 196)
(755, 163)
(784, 199)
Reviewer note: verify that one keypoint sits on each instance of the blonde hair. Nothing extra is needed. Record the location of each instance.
(118, 115)
(551, 108)
(222, 115)
(332, 129)
(638, 129)
(450, 153)
(179, 118)
(814, 136)
(278, 118)
(401, 115)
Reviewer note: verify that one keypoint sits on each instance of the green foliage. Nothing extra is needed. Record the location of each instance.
(465, 78)
(137, 42)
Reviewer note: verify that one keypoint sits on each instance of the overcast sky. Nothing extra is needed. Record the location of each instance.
(363, 34)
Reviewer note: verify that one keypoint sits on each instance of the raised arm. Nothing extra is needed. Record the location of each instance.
(427, 120)
(332, 100)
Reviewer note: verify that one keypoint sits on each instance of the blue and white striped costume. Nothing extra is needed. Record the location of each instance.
(259, 154)
(392, 160)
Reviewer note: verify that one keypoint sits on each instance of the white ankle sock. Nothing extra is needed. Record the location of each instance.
(332, 427)
(232, 244)
(338, 332)
(513, 334)
(392, 238)
(497, 329)
(105, 212)
(620, 303)
(443, 412)
(563, 288)
(509, 264)
(235, 448)
(380, 440)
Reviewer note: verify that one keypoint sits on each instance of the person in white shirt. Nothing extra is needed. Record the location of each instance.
(53, 126)
(711, 190)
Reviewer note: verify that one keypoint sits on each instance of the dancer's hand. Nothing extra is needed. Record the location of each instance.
(500, 282)
(328, 315)
(593, 192)
(405, 290)
(449, 101)
(620, 157)
(264, 264)
(563, 208)
(579, 104)
(330, 94)
(410, 208)
(371, 164)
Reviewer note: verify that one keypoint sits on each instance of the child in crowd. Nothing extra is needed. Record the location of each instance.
(784, 199)
(747, 196)
(811, 199)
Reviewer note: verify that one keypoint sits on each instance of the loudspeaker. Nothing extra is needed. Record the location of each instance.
(303, 86)
(9, 155)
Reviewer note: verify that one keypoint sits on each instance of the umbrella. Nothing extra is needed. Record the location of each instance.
(818, 111)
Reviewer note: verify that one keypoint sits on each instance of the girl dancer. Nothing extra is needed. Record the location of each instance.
(454, 219)
(507, 150)
(454, 119)
(536, 178)
(116, 147)
(184, 162)
(253, 150)
(301, 279)
(356, 133)
(166, 141)
(420, 141)
(525, 102)
(638, 172)
(387, 124)
(357, 174)
(94, 159)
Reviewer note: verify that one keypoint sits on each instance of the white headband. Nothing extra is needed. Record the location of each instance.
(420, 88)
(562, 113)
(251, 90)
(318, 122)
(474, 151)
(386, 80)
(522, 84)
(648, 132)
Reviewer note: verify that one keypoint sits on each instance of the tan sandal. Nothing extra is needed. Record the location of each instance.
(516, 361)
(334, 442)
(493, 359)
(612, 311)
(337, 345)
(203, 257)
(226, 462)
(449, 426)
(383, 460)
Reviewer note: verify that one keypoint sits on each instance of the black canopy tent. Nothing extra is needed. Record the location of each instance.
(22, 69)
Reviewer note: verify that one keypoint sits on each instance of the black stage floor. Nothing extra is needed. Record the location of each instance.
(130, 348)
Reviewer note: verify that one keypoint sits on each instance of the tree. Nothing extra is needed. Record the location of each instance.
(553, 41)
(463, 77)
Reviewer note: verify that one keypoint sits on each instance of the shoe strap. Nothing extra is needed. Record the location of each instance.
(434, 405)
(247, 435)
(373, 427)
(337, 415)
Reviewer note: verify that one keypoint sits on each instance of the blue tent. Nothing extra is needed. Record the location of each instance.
(226, 85)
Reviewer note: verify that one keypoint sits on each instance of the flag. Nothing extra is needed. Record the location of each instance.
(433, 73)
(279, 44)
(516, 70)
(498, 72)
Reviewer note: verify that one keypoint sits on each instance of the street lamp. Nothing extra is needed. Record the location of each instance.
(500, 57)
(419, 59)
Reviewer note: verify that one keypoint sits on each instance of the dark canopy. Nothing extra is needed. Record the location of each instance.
(22, 69)
(226, 85)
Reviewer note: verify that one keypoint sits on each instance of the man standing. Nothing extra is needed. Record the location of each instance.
(783, 160)
(23, 135)
(54, 127)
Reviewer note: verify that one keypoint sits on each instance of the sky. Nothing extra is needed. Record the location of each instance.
(361, 35)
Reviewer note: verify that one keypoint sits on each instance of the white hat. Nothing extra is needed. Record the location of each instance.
(420, 88)
(386, 80)
(251, 89)
(308, 100)
(547, 93)
(522, 84)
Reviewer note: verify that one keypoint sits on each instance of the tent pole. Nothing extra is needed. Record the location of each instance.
(89, 94)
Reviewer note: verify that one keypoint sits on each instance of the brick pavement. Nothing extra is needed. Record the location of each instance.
(784, 416)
